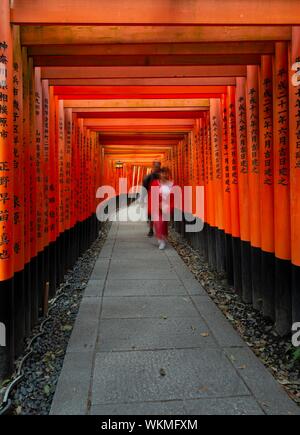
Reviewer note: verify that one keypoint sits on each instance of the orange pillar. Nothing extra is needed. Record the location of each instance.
(46, 148)
(295, 171)
(18, 217)
(33, 199)
(226, 181)
(211, 198)
(267, 185)
(282, 223)
(216, 140)
(27, 214)
(252, 108)
(234, 190)
(6, 183)
(244, 203)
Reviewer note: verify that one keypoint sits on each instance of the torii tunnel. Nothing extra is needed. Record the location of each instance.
(91, 91)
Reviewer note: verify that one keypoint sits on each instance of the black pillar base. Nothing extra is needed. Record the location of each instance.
(268, 284)
(220, 250)
(283, 296)
(211, 239)
(229, 258)
(7, 348)
(34, 290)
(246, 272)
(19, 312)
(295, 293)
(237, 265)
(27, 296)
(256, 278)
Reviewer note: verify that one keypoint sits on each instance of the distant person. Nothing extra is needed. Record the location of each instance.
(166, 206)
(154, 175)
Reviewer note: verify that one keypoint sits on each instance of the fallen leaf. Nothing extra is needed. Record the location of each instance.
(47, 390)
(204, 334)
(162, 372)
(66, 328)
(203, 389)
(242, 367)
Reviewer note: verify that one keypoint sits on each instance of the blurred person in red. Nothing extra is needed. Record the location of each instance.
(165, 199)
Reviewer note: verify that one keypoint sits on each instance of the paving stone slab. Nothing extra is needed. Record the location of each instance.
(100, 269)
(154, 306)
(94, 288)
(218, 324)
(194, 287)
(267, 391)
(84, 334)
(144, 287)
(124, 377)
(72, 390)
(150, 334)
(232, 406)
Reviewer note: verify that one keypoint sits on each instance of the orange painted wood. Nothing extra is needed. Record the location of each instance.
(216, 143)
(129, 34)
(202, 48)
(39, 152)
(156, 81)
(77, 91)
(151, 60)
(233, 162)
(282, 218)
(226, 166)
(243, 158)
(26, 141)
(295, 152)
(68, 163)
(210, 12)
(46, 148)
(191, 114)
(266, 154)
(6, 146)
(143, 72)
(33, 163)
(53, 185)
(18, 149)
(252, 108)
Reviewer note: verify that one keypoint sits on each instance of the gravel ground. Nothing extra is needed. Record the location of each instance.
(34, 394)
(277, 353)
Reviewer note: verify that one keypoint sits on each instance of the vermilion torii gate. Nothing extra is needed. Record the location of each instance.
(209, 89)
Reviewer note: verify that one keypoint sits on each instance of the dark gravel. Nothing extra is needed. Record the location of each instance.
(276, 353)
(34, 394)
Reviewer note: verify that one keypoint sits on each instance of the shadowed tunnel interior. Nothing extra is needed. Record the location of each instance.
(91, 91)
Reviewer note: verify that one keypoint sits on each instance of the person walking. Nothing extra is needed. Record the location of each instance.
(148, 180)
(165, 206)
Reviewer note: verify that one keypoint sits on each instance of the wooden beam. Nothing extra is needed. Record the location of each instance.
(180, 81)
(192, 114)
(159, 60)
(41, 35)
(232, 12)
(132, 122)
(82, 111)
(202, 48)
(138, 90)
(137, 103)
(143, 72)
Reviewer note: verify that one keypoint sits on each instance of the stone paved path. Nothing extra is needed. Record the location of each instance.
(149, 340)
